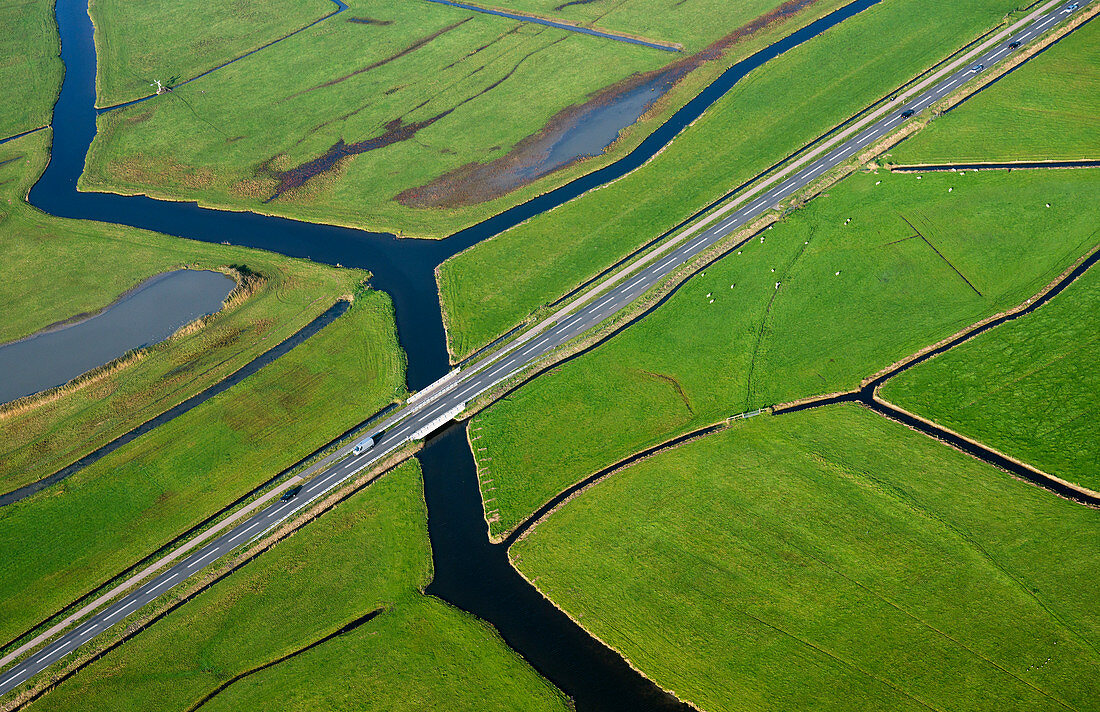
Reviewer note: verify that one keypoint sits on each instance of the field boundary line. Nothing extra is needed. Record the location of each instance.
(230, 565)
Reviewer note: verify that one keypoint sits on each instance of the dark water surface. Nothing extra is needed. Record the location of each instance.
(476, 576)
(401, 267)
(149, 313)
(470, 572)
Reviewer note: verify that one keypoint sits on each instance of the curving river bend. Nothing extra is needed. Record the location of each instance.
(470, 572)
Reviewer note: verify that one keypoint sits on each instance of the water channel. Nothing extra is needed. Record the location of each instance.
(470, 572)
(145, 315)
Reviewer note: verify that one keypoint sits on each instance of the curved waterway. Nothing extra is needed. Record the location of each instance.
(470, 572)
(403, 268)
(145, 315)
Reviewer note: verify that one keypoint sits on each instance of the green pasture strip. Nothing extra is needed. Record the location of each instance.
(992, 243)
(771, 113)
(371, 552)
(71, 537)
(30, 70)
(1044, 111)
(53, 269)
(138, 42)
(1027, 388)
(831, 560)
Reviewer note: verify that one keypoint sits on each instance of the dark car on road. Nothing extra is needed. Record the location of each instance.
(907, 113)
(1014, 44)
(290, 493)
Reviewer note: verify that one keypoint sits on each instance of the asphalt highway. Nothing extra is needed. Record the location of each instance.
(440, 402)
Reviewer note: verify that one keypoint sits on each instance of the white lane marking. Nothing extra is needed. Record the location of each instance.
(243, 532)
(12, 677)
(128, 605)
(93, 627)
(896, 118)
(193, 564)
(631, 285)
(163, 583)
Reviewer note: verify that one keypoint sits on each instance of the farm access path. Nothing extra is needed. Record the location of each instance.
(444, 399)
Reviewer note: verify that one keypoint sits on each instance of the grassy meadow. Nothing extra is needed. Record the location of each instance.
(128, 504)
(426, 89)
(1027, 388)
(488, 289)
(56, 268)
(694, 25)
(692, 362)
(369, 553)
(30, 70)
(831, 560)
(139, 42)
(1045, 110)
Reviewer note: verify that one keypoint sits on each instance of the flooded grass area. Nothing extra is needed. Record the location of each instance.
(831, 559)
(882, 290)
(490, 288)
(442, 94)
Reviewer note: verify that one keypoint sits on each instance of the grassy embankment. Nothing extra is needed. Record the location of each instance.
(771, 113)
(692, 362)
(30, 70)
(60, 268)
(128, 504)
(371, 552)
(481, 84)
(832, 560)
(1043, 111)
(138, 42)
(1027, 388)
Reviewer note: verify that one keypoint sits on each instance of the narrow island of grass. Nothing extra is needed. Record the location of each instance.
(1044, 111)
(1027, 388)
(128, 504)
(30, 70)
(771, 113)
(831, 560)
(369, 554)
(880, 267)
(137, 43)
(71, 267)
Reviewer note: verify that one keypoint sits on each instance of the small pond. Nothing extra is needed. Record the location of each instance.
(148, 313)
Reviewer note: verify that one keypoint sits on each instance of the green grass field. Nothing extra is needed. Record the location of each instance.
(59, 268)
(131, 502)
(139, 42)
(371, 552)
(692, 362)
(491, 287)
(1027, 388)
(436, 89)
(832, 560)
(693, 25)
(1045, 110)
(30, 70)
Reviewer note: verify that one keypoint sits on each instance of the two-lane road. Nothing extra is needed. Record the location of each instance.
(442, 400)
